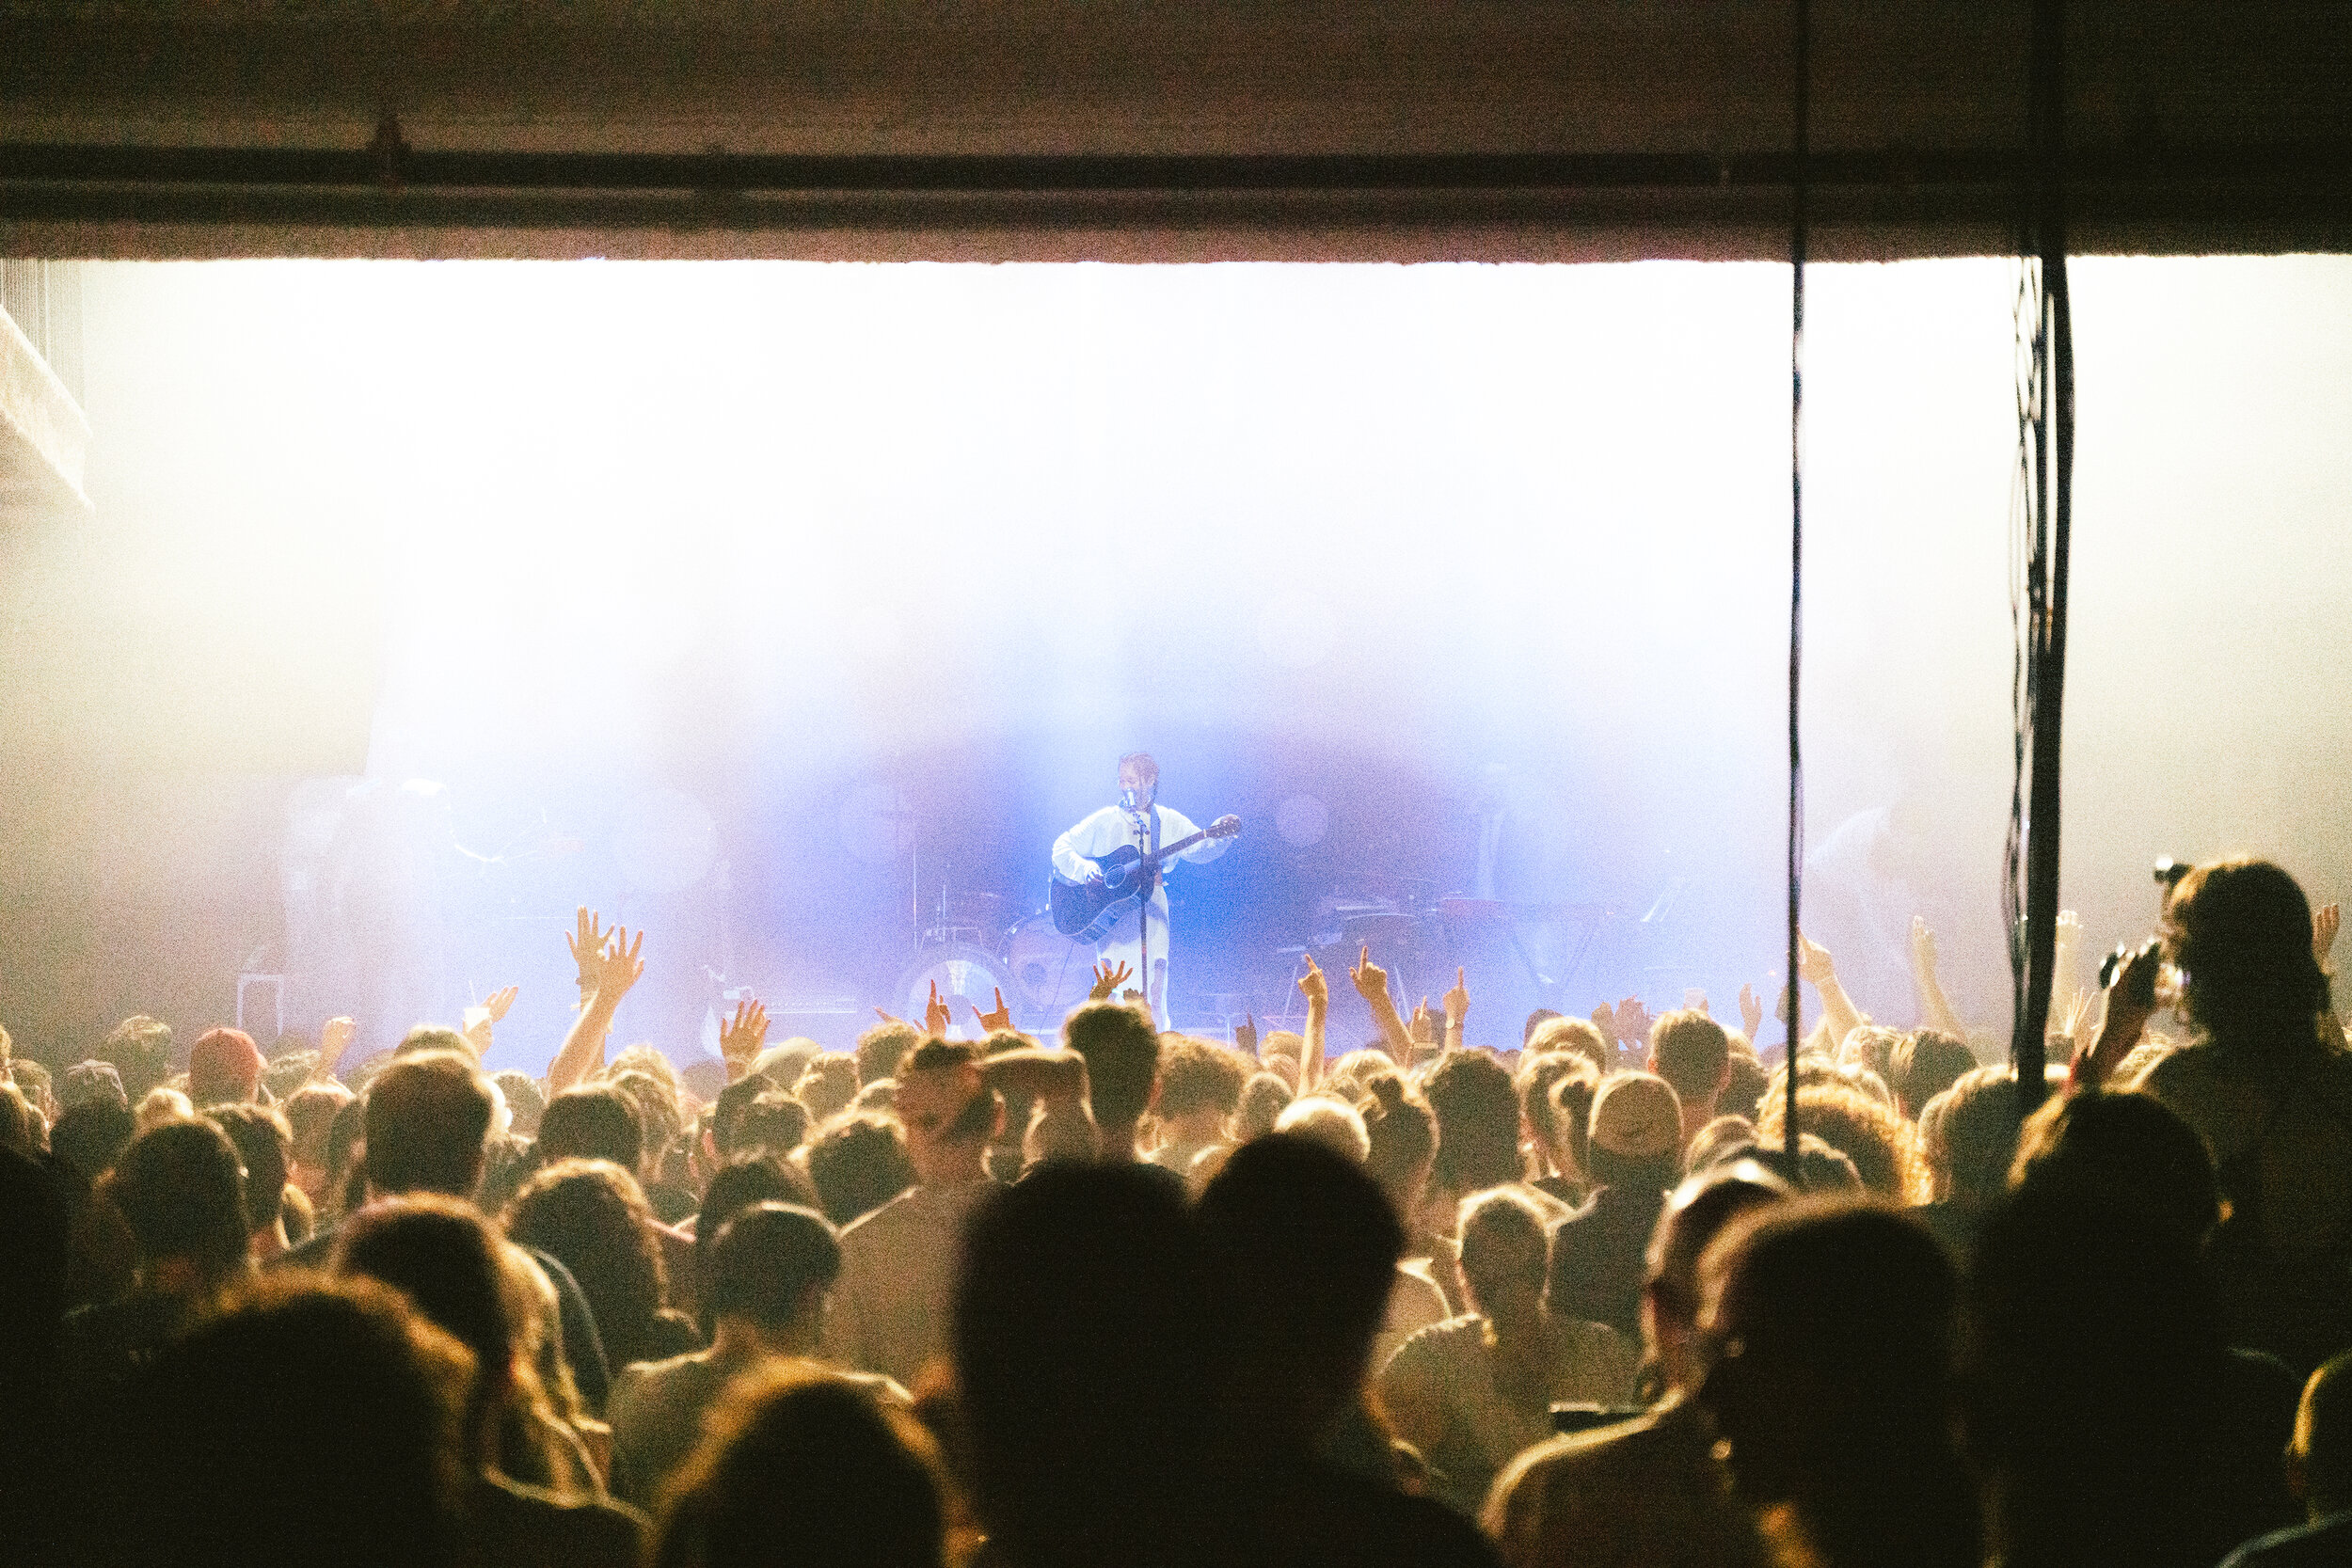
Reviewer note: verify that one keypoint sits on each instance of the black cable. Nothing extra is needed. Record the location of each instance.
(1799, 217)
(2052, 431)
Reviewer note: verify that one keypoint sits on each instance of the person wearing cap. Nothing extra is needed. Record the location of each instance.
(1649, 1493)
(1470, 1392)
(224, 1068)
(1635, 1153)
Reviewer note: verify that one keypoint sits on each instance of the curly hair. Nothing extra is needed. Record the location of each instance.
(1885, 1149)
(593, 1215)
(1197, 1074)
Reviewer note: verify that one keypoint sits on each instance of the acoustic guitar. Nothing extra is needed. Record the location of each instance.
(1087, 910)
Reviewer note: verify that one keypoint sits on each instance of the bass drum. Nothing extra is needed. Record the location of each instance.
(1052, 972)
(968, 977)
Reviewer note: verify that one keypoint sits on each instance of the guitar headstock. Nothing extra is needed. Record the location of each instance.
(1224, 826)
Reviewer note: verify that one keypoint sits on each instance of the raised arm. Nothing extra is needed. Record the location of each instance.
(615, 970)
(1107, 981)
(1456, 1008)
(740, 1040)
(334, 1039)
(2131, 1002)
(1839, 1011)
(1039, 1072)
(1317, 990)
(1372, 984)
(482, 1023)
(1935, 1010)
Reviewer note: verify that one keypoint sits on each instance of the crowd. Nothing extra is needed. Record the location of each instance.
(1142, 1298)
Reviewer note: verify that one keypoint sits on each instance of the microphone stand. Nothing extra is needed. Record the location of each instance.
(1143, 910)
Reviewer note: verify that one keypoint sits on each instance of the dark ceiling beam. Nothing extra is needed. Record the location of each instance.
(1287, 129)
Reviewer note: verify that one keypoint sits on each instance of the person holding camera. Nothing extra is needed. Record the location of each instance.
(2266, 1082)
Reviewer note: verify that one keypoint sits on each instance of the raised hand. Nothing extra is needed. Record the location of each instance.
(1457, 1002)
(889, 1016)
(741, 1037)
(1922, 946)
(335, 1037)
(1813, 959)
(478, 1022)
(2323, 923)
(620, 966)
(1371, 979)
(1633, 1021)
(587, 946)
(1605, 1020)
(1424, 1024)
(1131, 996)
(1750, 1011)
(1246, 1034)
(1314, 986)
(1107, 980)
(997, 1023)
(937, 1015)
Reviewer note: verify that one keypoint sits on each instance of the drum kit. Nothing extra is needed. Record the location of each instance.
(977, 945)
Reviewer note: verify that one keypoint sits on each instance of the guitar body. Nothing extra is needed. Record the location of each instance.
(1087, 912)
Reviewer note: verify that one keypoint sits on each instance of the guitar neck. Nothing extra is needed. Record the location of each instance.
(1176, 848)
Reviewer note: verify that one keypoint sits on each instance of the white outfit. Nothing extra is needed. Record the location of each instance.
(1074, 854)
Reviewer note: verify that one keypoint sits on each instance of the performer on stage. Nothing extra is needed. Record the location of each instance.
(1139, 940)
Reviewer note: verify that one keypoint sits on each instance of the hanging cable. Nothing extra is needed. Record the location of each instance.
(2046, 475)
(1797, 234)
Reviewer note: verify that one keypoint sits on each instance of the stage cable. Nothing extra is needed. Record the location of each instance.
(1799, 233)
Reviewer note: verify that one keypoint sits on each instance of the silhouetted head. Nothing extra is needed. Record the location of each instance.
(1122, 1058)
(448, 1260)
(804, 1467)
(139, 1049)
(1974, 1136)
(1695, 1213)
(428, 1116)
(265, 1144)
(1478, 1122)
(1402, 1133)
(224, 1065)
(2240, 932)
(181, 1188)
(858, 1162)
(596, 1122)
(1635, 1137)
(2091, 1344)
(89, 1137)
(1923, 1065)
(1309, 1248)
(1691, 1052)
(1829, 1325)
(1086, 1351)
(308, 1422)
(592, 1215)
(1504, 1254)
(2125, 1148)
(772, 1265)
